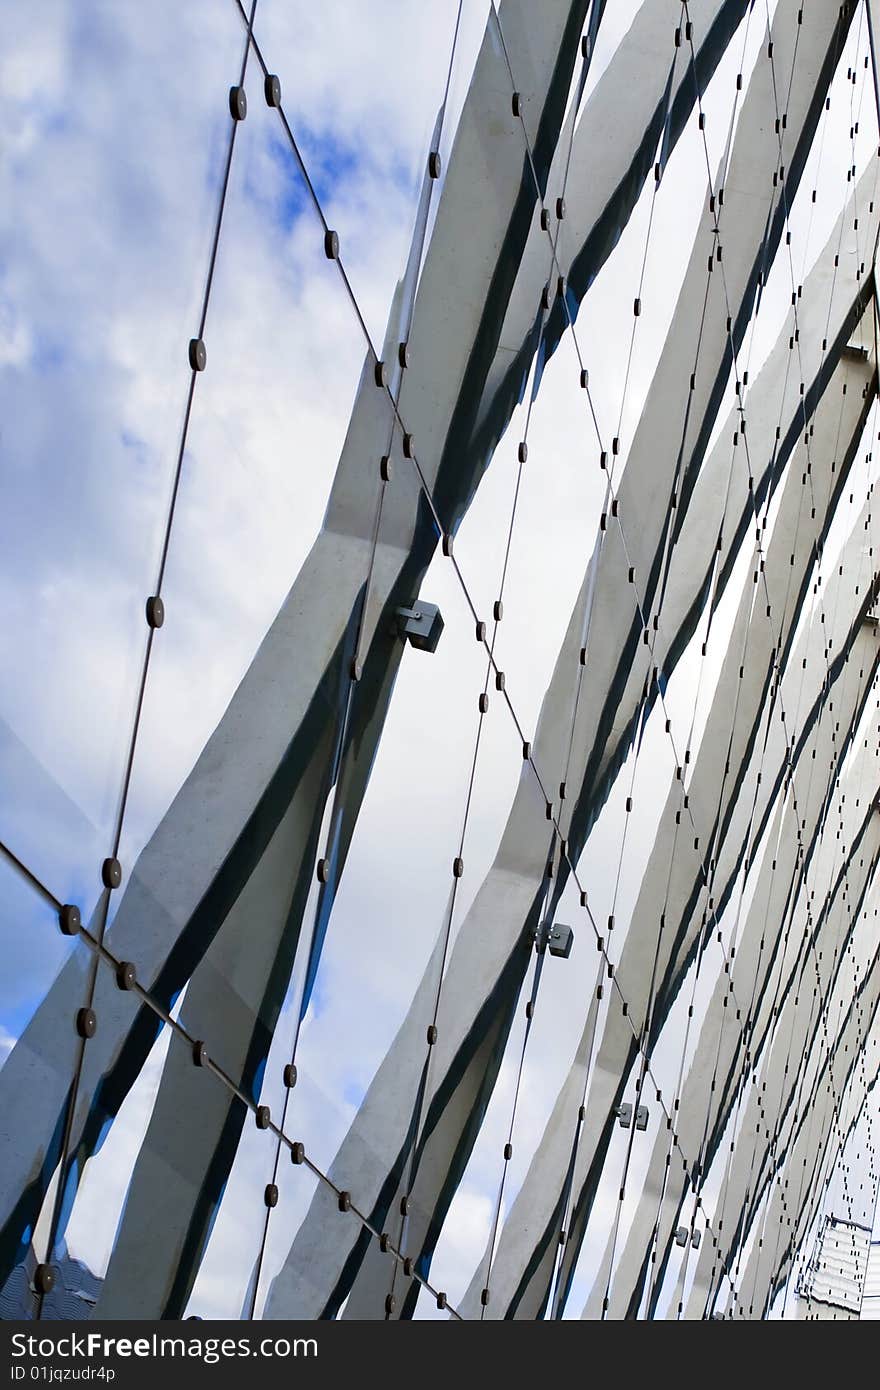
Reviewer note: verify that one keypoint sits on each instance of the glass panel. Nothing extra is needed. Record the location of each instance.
(34, 950)
(391, 913)
(365, 141)
(110, 1123)
(320, 863)
(264, 440)
(36, 1068)
(99, 297)
(121, 1224)
(267, 426)
(461, 1264)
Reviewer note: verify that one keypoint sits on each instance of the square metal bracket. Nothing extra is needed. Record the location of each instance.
(558, 940)
(641, 1117)
(420, 625)
(624, 1113)
(681, 1237)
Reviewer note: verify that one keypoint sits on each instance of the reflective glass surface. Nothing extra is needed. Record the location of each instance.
(439, 717)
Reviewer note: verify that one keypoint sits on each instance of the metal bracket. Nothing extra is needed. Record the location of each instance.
(420, 625)
(681, 1237)
(855, 352)
(624, 1113)
(558, 940)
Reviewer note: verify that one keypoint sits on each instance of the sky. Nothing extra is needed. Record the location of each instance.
(111, 160)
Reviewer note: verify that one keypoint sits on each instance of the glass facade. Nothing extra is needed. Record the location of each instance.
(439, 716)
